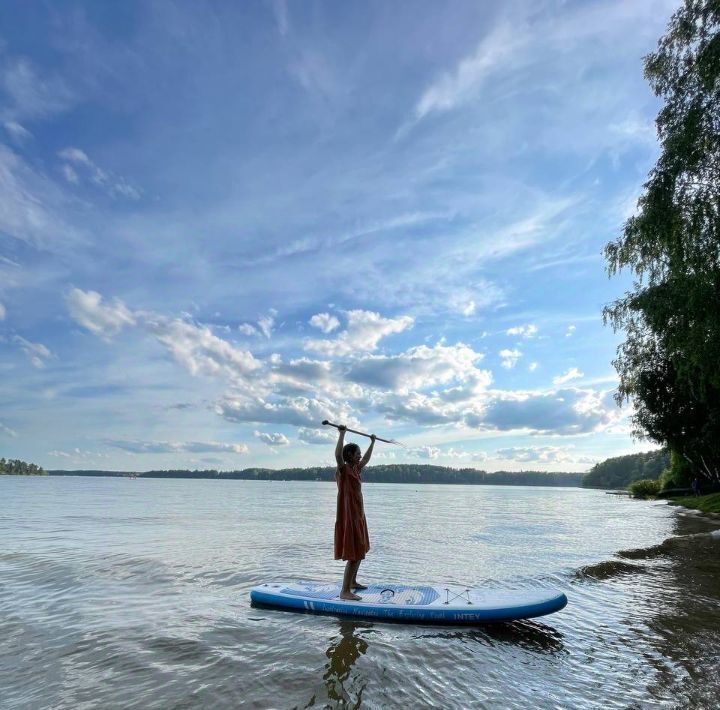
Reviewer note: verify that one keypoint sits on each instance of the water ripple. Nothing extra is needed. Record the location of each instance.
(143, 603)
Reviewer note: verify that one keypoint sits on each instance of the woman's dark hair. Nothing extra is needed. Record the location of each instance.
(348, 449)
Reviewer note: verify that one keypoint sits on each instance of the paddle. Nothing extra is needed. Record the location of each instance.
(362, 433)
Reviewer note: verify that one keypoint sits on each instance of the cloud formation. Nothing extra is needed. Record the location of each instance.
(174, 447)
(31, 95)
(542, 454)
(76, 161)
(104, 319)
(292, 411)
(37, 353)
(525, 331)
(509, 358)
(564, 411)
(572, 374)
(365, 329)
(325, 322)
(395, 265)
(419, 367)
(462, 84)
(199, 350)
(7, 431)
(424, 452)
(18, 133)
(272, 439)
(316, 436)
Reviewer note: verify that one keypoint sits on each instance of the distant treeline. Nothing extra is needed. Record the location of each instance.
(621, 471)
(15, 467)
(397, 473)
(616, 472)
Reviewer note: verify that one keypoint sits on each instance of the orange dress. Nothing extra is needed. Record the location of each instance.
(351, 534)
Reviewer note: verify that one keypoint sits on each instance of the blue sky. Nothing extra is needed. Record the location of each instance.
(221, 223)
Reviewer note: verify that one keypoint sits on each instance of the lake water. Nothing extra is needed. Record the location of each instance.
(122, 593)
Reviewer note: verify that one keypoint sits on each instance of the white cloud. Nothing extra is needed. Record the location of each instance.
(77, 454)
(325, 322)
(267, 323)
(465, 81)
(175, 447)
(75, 155)
(275, 439)
(316, 436)
(453, 453)
(17, 132)
(302, 375)
(447, 290)
(572, 374)
(87, 309)
(636, 128)
(114, 185)
(364, 331)
(426, 410)
(564, 411)
(538, 454)
(31, 206)
(30, 95)
(3, 312)
(195, 347)
(199, 350)
(509, 358)
(280, 12)
(424, 452)
(7, 431)
(315, 73)
(570, 331)
(526, 331)
(469, 309)
(293, 411)
(37, 353)
(533, 366)
(558, 412)
(70, 175)
(419, 367)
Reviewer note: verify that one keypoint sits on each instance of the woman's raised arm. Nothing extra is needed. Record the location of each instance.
(339, 445)
(368, 453)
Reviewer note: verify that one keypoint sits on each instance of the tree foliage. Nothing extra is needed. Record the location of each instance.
(645, 488)
(678, 474)
(668, 364)
(620, 471)
(15, 467)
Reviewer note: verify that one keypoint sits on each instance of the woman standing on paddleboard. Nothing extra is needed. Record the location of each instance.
(351, 534)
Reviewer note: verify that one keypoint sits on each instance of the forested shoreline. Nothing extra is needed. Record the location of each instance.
(621, 471)
(396, 473)
(16, 467)
(613, 473)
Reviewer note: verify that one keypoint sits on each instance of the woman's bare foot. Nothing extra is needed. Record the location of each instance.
(350, 597)
(357, 585)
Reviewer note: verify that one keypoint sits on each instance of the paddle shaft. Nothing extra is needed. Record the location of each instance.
(362, 433)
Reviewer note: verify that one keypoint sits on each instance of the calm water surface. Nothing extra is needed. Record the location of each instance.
(121, 593)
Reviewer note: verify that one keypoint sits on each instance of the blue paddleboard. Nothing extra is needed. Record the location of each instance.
(412, 604)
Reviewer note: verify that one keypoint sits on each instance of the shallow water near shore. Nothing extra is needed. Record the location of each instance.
(122, 593)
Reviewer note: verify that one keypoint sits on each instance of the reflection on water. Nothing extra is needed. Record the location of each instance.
(530, 635)
(135, 595)
(608, 569)
(343, 652)
(686, 623)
